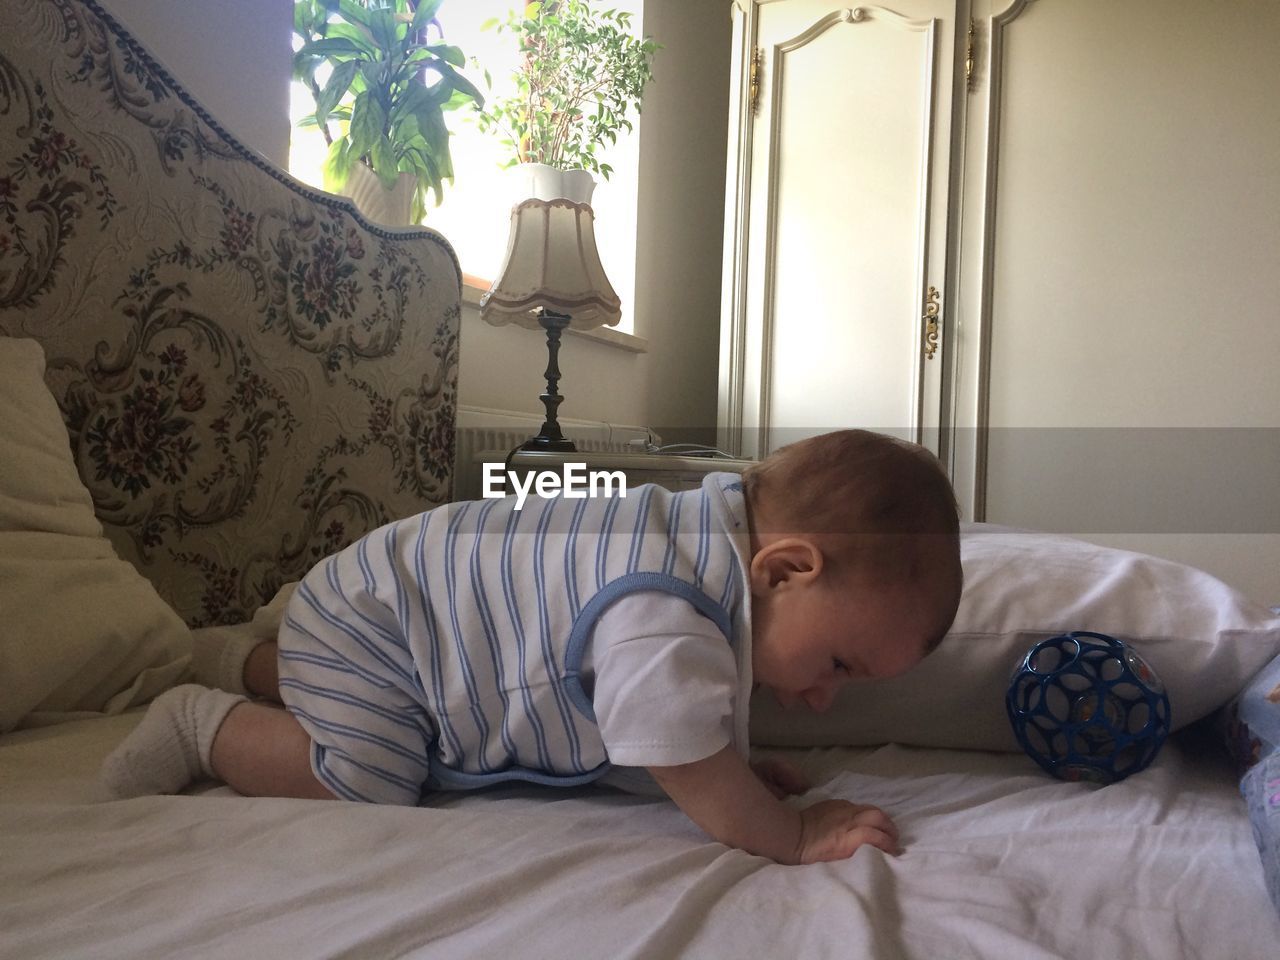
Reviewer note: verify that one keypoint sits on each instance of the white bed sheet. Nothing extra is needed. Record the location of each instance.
(1000, 862)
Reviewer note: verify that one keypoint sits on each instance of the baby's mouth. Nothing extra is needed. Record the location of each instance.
(785, 700)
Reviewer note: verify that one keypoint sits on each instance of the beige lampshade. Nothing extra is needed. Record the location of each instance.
(552, 263)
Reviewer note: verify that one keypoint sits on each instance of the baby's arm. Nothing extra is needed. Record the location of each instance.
(724, 797)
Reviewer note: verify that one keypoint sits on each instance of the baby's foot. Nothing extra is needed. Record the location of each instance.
(218, 656)
(170, 748)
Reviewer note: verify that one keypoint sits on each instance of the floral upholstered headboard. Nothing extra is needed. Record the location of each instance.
(251, 375)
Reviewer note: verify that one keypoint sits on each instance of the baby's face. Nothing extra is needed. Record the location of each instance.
(805, 648)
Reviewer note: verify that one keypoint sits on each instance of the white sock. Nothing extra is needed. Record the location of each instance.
(170, 748)
(218, 656)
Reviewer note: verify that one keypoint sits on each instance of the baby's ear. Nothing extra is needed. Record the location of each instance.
(785, 563)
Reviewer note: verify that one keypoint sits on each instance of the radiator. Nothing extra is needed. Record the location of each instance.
(481, 429)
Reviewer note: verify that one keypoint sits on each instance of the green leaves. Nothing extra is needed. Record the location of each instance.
(337, 165)
(368, 123)
(449, 54)
(388, 88)
(425, 13)
(335, 89)
(582, 74)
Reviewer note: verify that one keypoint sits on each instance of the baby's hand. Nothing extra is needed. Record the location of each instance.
(783, 778)
(834, 829)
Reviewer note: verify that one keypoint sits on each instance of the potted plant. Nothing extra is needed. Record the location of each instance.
(582, 72)
(391, 79)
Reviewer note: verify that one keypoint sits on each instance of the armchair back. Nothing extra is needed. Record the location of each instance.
(251, 375)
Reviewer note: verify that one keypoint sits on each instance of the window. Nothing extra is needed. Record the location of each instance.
(476, 209)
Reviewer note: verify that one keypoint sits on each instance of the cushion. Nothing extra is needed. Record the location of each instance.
(1253, 728)
(1261, 790)
(1253, 718)
(1203, 639)
(80, 629)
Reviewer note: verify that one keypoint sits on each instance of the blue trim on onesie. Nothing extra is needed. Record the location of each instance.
(451, 779)
(615, 590)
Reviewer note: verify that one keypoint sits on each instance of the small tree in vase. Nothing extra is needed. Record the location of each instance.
(582, 73)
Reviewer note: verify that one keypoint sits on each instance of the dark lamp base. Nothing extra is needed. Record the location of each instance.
(550, 438)
(549, 444)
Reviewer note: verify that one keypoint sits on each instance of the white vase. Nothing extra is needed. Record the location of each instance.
(538, 181)
(392, 207)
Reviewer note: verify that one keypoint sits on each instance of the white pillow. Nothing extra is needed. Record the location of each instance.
(1203, 639)
(80, 629)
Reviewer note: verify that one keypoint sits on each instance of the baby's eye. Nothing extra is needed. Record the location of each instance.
(839, 666)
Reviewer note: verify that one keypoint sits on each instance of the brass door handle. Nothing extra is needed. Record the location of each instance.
(753, 80)
(932, 323)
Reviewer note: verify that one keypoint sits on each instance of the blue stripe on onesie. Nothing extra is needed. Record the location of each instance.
(444, 651)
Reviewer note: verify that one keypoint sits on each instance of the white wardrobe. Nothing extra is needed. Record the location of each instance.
(1040, 236)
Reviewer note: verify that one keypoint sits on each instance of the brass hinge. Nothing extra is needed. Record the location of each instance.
(757, 66)
(969, 58)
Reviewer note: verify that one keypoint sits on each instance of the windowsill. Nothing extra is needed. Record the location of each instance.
(473, 288)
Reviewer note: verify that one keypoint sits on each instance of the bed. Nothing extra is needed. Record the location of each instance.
(1000, 862)
(212, 376)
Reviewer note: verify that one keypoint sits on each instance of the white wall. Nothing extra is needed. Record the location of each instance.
(502, 367)
(234, 56)
(1135, 365)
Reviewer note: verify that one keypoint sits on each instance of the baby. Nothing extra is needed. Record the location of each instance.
(570, 640)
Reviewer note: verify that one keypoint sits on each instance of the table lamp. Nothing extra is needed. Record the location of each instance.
(551, 279)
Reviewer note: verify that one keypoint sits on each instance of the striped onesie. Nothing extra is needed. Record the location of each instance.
(446, 650)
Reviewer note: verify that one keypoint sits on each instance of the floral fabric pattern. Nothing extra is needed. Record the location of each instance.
(251, 375)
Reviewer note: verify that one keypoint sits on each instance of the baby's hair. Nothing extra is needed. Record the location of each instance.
(856, 482)
(869, 499)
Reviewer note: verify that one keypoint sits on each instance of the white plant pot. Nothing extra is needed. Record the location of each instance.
(390, 207)
(538, 181)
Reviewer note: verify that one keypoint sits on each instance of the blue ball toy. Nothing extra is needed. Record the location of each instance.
(1085, 706)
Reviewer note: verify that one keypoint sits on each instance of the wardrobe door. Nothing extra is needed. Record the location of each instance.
(1134, 277)
(837, 228)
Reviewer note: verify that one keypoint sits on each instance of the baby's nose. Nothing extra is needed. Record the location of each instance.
(819, 699)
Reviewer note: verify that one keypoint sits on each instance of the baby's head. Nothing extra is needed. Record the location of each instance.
(855, 569)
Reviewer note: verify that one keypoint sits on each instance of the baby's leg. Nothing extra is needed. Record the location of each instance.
(231, 660)
(242, 659)
(262, 751)
(262, 672)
